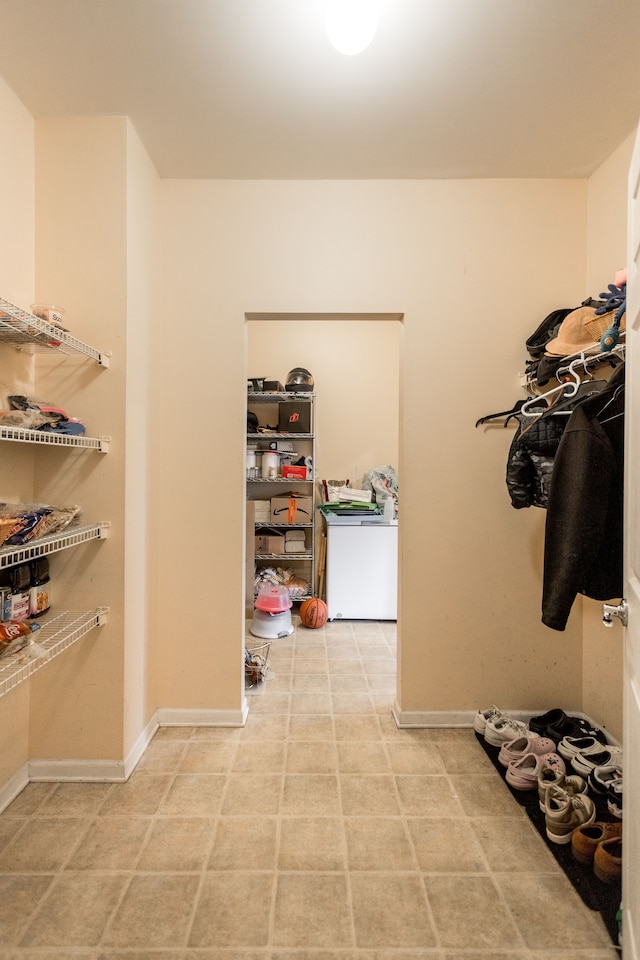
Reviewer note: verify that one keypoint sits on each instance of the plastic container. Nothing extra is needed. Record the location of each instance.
(49, 312)
(270, 464)
(273, 599)
(271, 626)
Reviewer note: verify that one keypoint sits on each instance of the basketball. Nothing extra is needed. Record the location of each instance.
(313, 613)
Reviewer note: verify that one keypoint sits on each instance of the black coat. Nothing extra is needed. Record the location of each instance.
(584, 523)
(530, 460)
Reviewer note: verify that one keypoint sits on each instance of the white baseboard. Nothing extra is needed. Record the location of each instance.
(10, 790)
(202, 718)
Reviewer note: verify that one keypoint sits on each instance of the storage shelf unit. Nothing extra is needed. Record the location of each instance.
(259, 488)
(71, 537)
(19, 328)
(54, 637)
(58, 630)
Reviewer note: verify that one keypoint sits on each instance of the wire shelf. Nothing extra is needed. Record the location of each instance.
(288, 557)
(55, 636)
(22, 435)
(20, 328)
(71, 537)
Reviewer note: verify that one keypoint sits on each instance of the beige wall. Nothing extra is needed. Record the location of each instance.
(473, 266)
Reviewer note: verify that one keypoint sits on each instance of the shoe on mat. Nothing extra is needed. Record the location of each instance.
(585, 839)
(565, 812)
(607, 860)
(568, 747)
(599, 778)
(614, 798)
(532, 743)
(570, 783)
(582, 763)
(501, 729)
(523, 774)
(540, 724)
(481, 717)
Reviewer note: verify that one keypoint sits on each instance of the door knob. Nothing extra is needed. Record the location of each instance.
(620, 610)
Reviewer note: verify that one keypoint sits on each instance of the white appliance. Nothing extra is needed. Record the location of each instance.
(362, 569)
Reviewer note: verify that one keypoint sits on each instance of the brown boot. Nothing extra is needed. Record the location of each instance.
(584, 840)
(607, 860)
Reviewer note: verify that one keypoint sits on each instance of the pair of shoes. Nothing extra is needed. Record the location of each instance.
(607, 860)
(565, 812)
(481, 717)
(569, 747)
(551, 774)
(586, 839)
(557, 725)
(600, 778)
(614, 798)
(523, 774)
(582, 763)
(515, 749)
(500, 729)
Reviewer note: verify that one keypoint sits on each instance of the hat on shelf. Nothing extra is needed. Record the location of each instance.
(574, 334)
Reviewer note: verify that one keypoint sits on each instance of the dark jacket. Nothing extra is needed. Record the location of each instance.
(584, 523)
(530, 459)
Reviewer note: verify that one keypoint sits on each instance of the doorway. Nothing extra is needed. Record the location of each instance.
(355, 362)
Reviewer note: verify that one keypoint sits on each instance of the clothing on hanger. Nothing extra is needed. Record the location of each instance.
(584, 523)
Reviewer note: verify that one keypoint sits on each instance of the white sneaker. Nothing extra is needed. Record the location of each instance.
(481, 717)
(583, 763)
(500, 729)
(565, 812)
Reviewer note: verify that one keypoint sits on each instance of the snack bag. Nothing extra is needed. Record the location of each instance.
(14, 635)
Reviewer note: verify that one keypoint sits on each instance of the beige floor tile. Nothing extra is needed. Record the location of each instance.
(74, 800)
(310, 683)
(553, 898)
(8, 829)
(310, 728)
(252, 794)
(265, 727)
(19, 896)
(244, 843)
(485, 795)
(233, 910)
(177, 844)
(75, 911)
(312, 843)
(140, 795)
(155, 912)
(194, 795)
(348, 683)
(28, 800)
(313, 756)
(492, 955)
(208, 757)
(390, 910)
(311, 911)
(461, 757)
(111, 843)
(363, 756)
(161, 756)
(266, 757)
(274, 703)
(369, 795)
(228, 734)
(513, 845)
(311, 794)
(356, 727)
(420, 757)
(469, 912)
(308, 650)
(354, 703)
(378, 843)
(311, 703)
(343, 668)
(446, 845)
(427, 795)
(43, 845)
(306, 666)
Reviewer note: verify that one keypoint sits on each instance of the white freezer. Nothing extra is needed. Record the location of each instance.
(362, 570)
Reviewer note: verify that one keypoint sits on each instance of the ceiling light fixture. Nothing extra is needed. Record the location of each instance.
(351, 24)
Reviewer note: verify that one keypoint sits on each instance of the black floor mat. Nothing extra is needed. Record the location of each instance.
(603, 897)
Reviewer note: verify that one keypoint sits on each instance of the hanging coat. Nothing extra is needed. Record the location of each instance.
(584, 522)
(530, 460)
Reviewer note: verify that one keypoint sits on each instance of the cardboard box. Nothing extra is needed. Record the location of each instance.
(269, 541)
(295, 541)
(262, 511)
(294, 416)
(291, 510)
(294, 472)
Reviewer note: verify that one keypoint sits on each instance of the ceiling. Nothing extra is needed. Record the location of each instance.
(238, 89)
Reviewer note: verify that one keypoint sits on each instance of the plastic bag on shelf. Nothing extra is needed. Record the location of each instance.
(22, 522)
(15, 635)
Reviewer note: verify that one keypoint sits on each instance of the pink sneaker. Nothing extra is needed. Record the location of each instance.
(523, 774)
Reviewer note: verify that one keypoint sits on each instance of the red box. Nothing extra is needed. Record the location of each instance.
(294, 473)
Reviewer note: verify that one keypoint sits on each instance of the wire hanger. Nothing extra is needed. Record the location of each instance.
(569, 388)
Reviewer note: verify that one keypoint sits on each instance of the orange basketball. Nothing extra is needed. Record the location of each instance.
(313, 613)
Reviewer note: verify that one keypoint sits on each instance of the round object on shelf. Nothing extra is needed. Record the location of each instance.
(313, 613)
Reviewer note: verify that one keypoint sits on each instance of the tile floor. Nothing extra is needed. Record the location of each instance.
(318, 832)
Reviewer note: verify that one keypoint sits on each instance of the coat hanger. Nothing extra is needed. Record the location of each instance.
(569, 388)
(505, 413)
